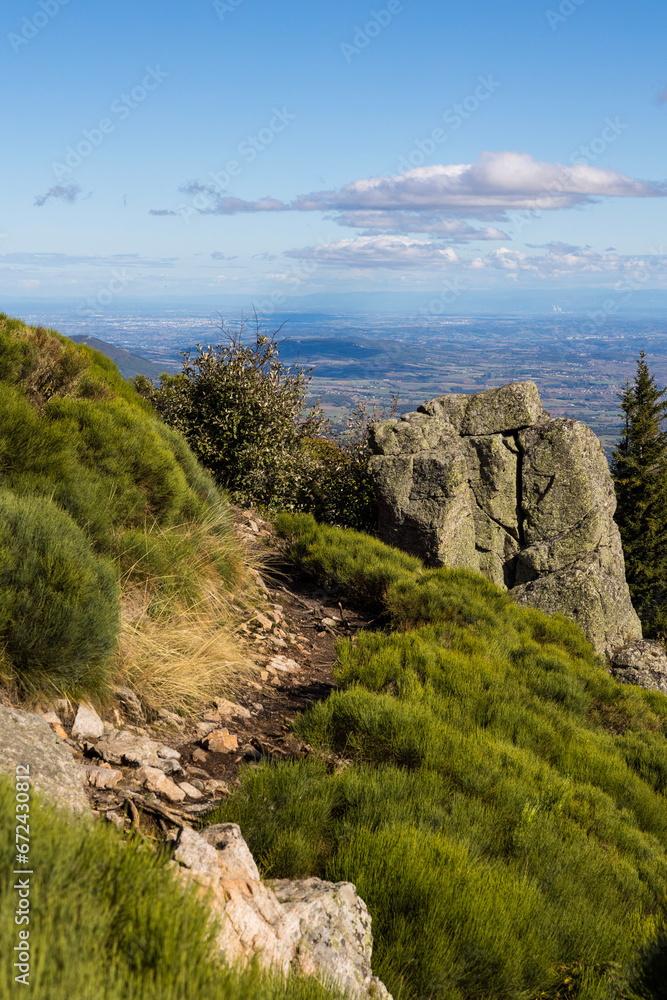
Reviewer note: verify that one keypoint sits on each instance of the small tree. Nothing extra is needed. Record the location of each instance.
(639, 470)
(243, 413)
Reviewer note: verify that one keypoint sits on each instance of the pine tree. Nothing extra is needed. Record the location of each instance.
(639, 470)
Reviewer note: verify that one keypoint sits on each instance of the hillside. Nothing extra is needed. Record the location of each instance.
(127, 363)
(497, 798)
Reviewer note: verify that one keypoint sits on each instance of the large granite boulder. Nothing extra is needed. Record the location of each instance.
(27, 739)
(642, 662)
(311, 927)
(493, 483)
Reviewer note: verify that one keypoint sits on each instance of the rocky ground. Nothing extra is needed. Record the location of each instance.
(160, 773)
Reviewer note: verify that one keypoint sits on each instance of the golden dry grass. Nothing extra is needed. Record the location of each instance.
(179, 644)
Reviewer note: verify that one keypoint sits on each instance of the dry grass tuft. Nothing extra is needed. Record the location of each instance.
(183, 601)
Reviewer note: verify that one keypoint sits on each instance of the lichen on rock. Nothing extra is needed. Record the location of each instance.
(491, 482)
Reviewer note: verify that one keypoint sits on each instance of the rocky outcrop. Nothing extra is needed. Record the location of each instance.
(642, 662)
(312, 927)
(493, 483)
(29, 740)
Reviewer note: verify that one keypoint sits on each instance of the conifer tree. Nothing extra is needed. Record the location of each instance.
(639, 470)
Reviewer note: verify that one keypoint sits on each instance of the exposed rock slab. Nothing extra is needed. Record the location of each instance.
(642, 662)
(491, 482)
(28, 739)
(317, 928)
(123, 747)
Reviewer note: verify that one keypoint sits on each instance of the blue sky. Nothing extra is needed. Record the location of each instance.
(245, 146)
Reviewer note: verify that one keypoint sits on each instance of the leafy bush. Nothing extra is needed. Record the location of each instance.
(502, 813)
(109, 921)
(59, 602)
(244, 415)
(242, 412)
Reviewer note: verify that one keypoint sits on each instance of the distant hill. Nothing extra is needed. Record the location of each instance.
(128, 363)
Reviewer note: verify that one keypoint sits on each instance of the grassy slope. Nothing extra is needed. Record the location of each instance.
(74, 431)
(109, 922)
(503, 815)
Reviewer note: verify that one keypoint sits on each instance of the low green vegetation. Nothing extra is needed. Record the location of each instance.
(496, 797)
(108, 921)
(100, 503)
(243, 412)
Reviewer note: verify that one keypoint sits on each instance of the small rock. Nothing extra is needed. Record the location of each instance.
(330, 622)
(265, 622)
(51, 717)
(250, 752)
(170, 718)
(214, 786)
(264, 675)
(276, 641)
(204, 728)
(200, 756)
(257, 705)
(190, 790)
(197, 783)
(197, 772)
(123, 747)
(171, 768)
(156, 780)
(168, 753)
(220, 741)
(87, 723)
(230, 708)
(101, 777)
(283, 664)
(130, 704)
(116, 818)
(57, 728)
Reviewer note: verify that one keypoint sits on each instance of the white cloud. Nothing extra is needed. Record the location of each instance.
(454, 230)
(378, 251)
(498, 183)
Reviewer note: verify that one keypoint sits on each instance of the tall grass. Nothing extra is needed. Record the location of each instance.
(502, 812)
(77, 439)
(109, 921)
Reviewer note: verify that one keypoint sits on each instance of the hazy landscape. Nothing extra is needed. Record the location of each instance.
(371, 356)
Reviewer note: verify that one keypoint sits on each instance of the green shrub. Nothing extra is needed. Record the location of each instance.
(360, 566)
(109, 921)
(244, 415)
(502, 809)
(59, 602)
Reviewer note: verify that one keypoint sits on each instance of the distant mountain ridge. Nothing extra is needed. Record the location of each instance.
(128, 363)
